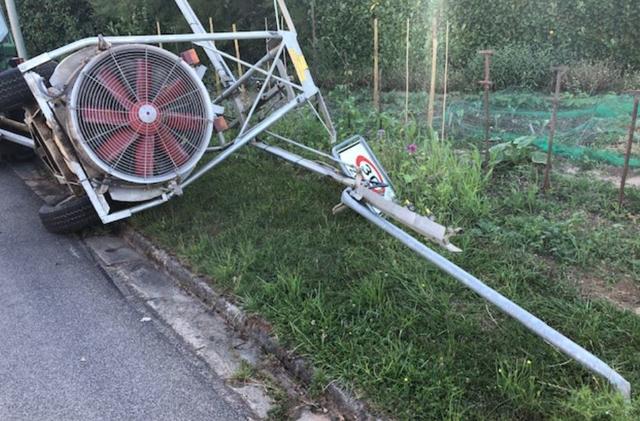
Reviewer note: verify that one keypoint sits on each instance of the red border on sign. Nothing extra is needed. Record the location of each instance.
(362, 158)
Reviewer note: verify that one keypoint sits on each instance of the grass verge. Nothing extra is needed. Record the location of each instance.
(368, 312)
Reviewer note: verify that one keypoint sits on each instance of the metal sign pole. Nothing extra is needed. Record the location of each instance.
(14, 21)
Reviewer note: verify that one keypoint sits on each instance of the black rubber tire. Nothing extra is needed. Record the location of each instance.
(71, 215)
(12, 152)
(14, 91)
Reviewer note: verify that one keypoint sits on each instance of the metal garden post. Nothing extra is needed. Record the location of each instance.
(14, 21)
(627, 156)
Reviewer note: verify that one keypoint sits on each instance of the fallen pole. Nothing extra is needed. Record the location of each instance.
(531, 322)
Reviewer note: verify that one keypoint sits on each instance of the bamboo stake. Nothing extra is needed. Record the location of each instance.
(286, 16)
(446, 82)
(237, 45)
(406, 74)
(266, 28)
(314, 29)
(282, 21)
(434, 63)
(627, 155)
(552, 127)
(159, 31)
(376, 64)
(217, 76)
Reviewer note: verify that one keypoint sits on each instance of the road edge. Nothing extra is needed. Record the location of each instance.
(254, 327)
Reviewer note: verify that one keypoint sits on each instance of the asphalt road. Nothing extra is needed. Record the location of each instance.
(73, 347)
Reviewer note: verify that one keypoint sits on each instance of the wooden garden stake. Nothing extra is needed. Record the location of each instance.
(237, 45)
(434, 63)
(486, 84)
(406, 75)
(314, 29)
(376, 65)
(560, 72)
(446, 81)
(282, 21)
(286, 16)
(159, 32)
(217, 76)
(266, 28)
(627, 155)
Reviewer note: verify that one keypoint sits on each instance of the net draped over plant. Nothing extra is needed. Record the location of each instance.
(588, 128)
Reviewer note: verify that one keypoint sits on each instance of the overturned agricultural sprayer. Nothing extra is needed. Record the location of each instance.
(127, 126)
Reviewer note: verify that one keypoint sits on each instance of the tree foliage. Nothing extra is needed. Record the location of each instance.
(528, 35)
(572, 29)
(48, 24)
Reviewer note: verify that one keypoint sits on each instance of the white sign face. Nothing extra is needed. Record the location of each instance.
(358, 156)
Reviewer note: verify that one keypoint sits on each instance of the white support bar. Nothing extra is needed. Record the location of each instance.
(144, 39)
(16, 138)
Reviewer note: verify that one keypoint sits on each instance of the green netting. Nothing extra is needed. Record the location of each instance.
(589, 128)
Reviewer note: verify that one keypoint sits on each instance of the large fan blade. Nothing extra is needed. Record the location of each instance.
(105, 116)
(172, 146)
(116, 88)
(116, 143)
(142, 79)
(144, 156)
(178, 121)
(170, 93)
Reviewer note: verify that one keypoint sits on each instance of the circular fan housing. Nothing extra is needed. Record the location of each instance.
(141, 114)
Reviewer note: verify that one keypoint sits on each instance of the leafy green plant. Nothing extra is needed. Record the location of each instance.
(518, 383)
(517, 151)
(584, 404)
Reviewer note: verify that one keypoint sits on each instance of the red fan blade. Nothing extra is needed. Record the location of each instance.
(178, 121)
(114, 145)
(105, 116)
(172, 146)
(144, 156)
(142, 79)
(116, 88)
(170, 92)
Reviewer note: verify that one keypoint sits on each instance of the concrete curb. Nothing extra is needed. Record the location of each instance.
(253, 327)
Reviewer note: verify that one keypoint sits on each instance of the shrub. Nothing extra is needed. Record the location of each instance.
(514, 66)
(631, 80)
(593, 77)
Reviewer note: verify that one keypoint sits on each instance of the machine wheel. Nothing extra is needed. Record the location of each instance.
(71, 215)
(14, 91)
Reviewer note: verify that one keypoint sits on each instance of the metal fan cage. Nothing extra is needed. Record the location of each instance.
(141, 114)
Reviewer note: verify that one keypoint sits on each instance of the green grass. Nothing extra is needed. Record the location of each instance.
(413, 341)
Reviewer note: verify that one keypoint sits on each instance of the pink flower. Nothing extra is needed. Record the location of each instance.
(411, 149)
